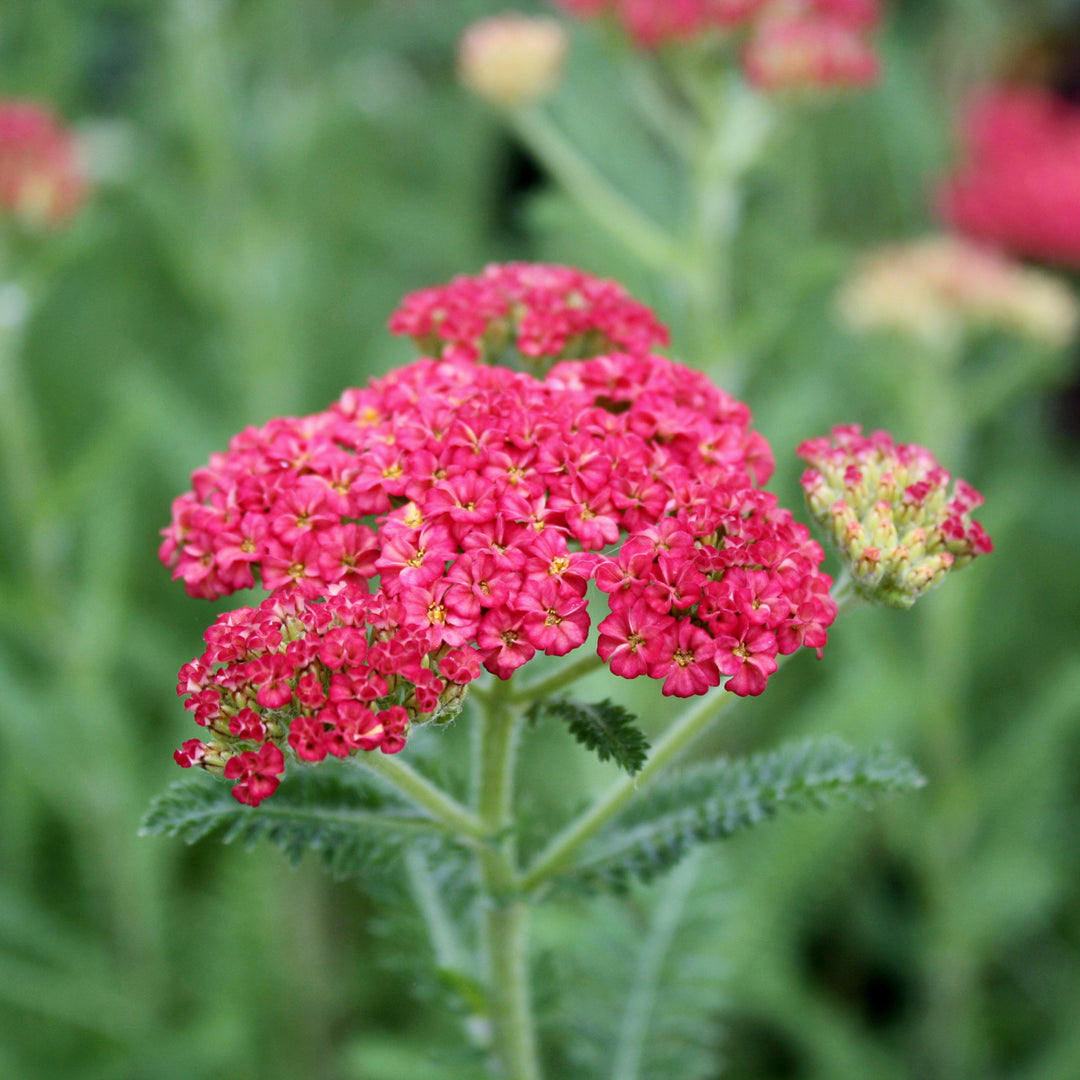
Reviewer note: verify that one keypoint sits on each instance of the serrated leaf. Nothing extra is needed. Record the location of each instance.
(713, 800)
(349, 820)
(605, 727)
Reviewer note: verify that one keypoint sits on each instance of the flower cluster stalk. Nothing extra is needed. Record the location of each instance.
(504, 915)
(457, 819)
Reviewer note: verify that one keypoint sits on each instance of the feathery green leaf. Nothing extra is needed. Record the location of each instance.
(349, 818)
(641, 985)
(605, 727)
(715, 799)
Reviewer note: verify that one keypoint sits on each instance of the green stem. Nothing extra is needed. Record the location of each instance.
(444, 809)
(505, 936)
(736, 124)
(637, 232)
(686, 728)
(22, 454)
(450, 955)
(504, 914)
(666, 118)
(569, 673)
(844, 594)
(565, 845)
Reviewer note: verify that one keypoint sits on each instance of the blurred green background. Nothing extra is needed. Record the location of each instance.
(274, 176)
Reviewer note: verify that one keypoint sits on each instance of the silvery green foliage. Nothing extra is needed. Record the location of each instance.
(345, 815)
(712, 800)
(643, 999)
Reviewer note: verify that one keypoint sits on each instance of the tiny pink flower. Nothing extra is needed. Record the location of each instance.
(686, 663)
(258, 773)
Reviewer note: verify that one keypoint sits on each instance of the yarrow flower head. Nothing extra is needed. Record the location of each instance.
(451, 515)
(41, 180)
(527, 314)
(887, 511)
(940, 288)
(1019, 185)
(787, 44)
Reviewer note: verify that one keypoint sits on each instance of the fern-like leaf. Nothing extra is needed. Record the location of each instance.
(640, 986)
(605, 727)
(349, 819)
(715, 799)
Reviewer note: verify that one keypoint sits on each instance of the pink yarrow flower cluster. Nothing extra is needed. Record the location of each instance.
(41, 180)
(787, 44)
(324, 677)
(887, 510)
(452, 514)
(1019, 186)
(529, 313)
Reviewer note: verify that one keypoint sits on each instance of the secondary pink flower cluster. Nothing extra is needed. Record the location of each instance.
(1019, 186)
(528, 313)
(787, 44)
(326, 676)
(888, 513)
(483, 501)
(41, 181)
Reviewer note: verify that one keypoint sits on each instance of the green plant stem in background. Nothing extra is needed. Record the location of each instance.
(609, 208)
(22, 452)
(735, 125)
(718, 133)
(642, 998)
(450, 954)
(938, 415)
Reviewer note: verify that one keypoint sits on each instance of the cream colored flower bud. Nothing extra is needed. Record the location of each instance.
(512, 60)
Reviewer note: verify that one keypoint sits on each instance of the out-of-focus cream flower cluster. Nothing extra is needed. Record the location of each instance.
(940, 288)
(512, 60)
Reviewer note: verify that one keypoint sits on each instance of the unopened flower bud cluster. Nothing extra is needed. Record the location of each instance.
(888, 511)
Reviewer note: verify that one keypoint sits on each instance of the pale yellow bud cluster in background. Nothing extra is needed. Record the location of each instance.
(940, 288)
(512, 60)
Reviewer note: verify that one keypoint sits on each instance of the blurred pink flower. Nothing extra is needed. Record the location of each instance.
(787, 43)
(1018, 186)
(41, 180)
(810, 48)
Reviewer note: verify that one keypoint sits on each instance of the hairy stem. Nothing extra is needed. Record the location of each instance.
(440, 806)
(566, 844)
(567, 674)
(503, 911)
